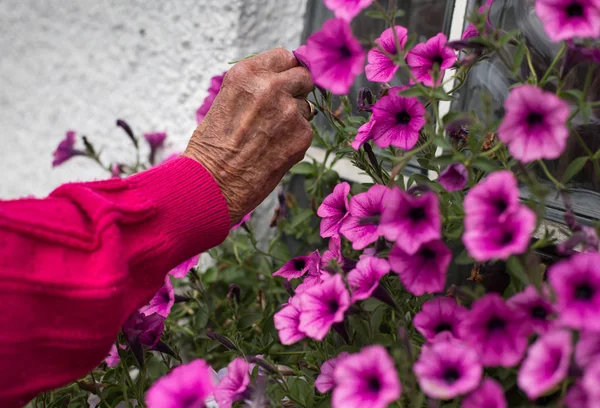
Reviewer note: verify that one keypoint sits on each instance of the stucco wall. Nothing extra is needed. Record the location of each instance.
(81, 64)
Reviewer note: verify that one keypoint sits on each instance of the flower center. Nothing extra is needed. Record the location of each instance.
(495, 323)
(443, 327)
(574, 10)
(374, 384)
(534, 118)
(166, 297)
(299, 264)
(345, 52)
(584, 292)
(333, 306)
(189, 402)
(451, 375)
(403, 118)
(437, 60)
(416, 214)
(539, 312)
(507, 238)
(427, 253)
(501, 206)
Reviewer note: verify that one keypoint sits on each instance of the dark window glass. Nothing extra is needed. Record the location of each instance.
(491, 78)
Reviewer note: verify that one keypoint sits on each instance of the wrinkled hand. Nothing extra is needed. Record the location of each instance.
(256, 129)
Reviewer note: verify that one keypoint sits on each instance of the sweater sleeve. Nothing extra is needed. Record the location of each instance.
(75, 265)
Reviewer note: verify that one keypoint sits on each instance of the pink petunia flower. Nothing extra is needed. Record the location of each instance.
(368, 378)
(587, 348)
(380, 67)
(500, 241)
(333, 253)
(398, 120)
(577, 397)
(113, 359)
(471, 30)
(448, 368)
(347, 9)
(365, 210)
(325, 381)
(364, 135)
(364, 279)
(187, 385)
(323, 305)
(591, 379)
(440, 314)
(410, 220)
(215, 87)
(425, 270)
(156, 141)
(297, 267)
(66, 149)
(576, 283)
(287, 322)
(244, 219)
(316, 275)
(181, 270)
(423, 58)
(335, 57)
(233, 386)
(490, 394)
(454, 177)
(495, 332)
(536, 309)
(535, 124)
(163, 300)
(546, 364)
(491, 200)
(569, 19)
(334, 210)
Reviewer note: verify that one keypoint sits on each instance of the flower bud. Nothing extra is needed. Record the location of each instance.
(234, 293)
(365, 100)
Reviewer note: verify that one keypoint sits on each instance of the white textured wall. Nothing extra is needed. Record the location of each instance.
(81, 64)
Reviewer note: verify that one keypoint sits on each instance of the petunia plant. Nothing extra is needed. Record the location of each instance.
(442, 287)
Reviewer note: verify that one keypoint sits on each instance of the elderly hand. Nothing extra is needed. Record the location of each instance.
(256, 129)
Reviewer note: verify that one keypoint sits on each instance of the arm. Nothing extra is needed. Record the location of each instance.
(75, 265)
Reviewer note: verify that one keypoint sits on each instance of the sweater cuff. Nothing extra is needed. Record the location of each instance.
(191, 213)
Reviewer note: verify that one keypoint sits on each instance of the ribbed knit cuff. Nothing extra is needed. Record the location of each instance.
(190, 211)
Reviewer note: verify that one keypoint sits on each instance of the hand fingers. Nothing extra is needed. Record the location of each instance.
(296, 81)
(275, 60)
(304, 107)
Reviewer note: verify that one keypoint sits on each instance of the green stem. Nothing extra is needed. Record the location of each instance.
(553, 64)
(493, 150)
(100, 393)
(558, 184)
(530, 64)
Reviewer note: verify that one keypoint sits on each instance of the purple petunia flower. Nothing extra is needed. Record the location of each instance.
(535, 124)
(398, 120)
(490, 394)
(495, 331)
(325, 381)
(287, 321)
(145, 330)
(380, 67)
(66, 149)
(163, 300)
(587, 348)
(347, 9)
(546, 364)
(296, 267)
(316, 275)
(536, 309)
(113, 359)
(441, 314)
(448, 368)
(364, 279)
(335, 57)
(423, 58)
(502, 240)
(334, 210)
(425, 270)
(187, 385)
(591, 379)
(491, 200)
(364, 135)
(334, 252)
(156, 140)
(454, 177)
(368, 378)
(365, 210)
(576, 283)
(215, 86)
(471, 31)
(233, 386)
(181, 270)
(410, 220)
(577, 397)
(568, 19)
(323, 305)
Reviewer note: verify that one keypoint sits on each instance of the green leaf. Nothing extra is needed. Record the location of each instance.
(575, 94)
(485, 163)
(574, 167)
(301, 391)
(303, 215)
(464, 259)
(443, 143)
(443, 160)
(414, 91)
(399, 13)
(452, 117)
(519, 54)
(440, 94)
(376, 14)
(515, 269)
(303, 168)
